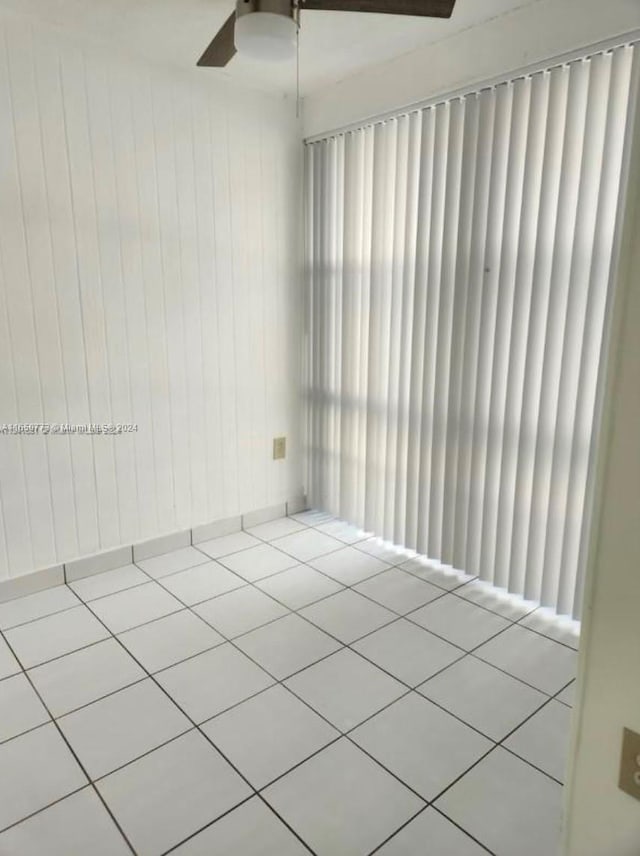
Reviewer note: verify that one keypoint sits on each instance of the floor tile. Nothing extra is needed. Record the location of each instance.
(345, 688)
(399, 591)
(497, 600)
(202, 583)
(349, 566)
(123, 726)
(276, 528)
(169, 640)
(8, 663)
(341, 802)
(78, 824)
(227, 544)
(252, 829)
(287, 645)
(135, 606)
(258, 562)
(313, 517)
(436, 832)
(459, 621)
(544, 739)
(56, 599)
(347, 615)
(37, 769)
(407, 651)
(507, 805)
(343, 531)
(171, 793)
(20, 708)
(384, 551)
(55, 635)
(534, 659)
(567, 696)
(485, 697)
(560, 629)
(212, 682)
(240, 611)
(424, 746)
(299, 586)
(170, 563)
(434, 572)
(85, 676)
(308, 544)
(109, 582)
(269, 734)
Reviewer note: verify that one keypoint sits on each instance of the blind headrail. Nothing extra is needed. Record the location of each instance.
(581, 54)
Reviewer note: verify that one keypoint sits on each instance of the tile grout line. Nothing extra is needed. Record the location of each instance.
(245, 582)
(499, 744)
(399, 830)
(299, 562)
(398, 617)
(453, 591)
(415, 816)
(193, 835)
(456, 589)
(408, 687)
(44, 808)
(464, 652)
(540, 633)
(409, 690)
(81, 766)
(280, 682)
(510, 624)
(150, 579)
(198, 728)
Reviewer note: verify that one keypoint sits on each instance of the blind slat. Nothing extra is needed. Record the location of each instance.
(459, 266)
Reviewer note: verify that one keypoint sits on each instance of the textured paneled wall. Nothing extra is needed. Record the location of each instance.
(149, 235)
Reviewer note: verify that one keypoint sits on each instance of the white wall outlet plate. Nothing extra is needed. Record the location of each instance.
(279, 448)
(630, 764)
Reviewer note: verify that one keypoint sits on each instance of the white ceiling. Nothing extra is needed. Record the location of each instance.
(333, 45)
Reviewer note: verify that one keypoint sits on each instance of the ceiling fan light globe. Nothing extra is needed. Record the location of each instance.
(266, 36)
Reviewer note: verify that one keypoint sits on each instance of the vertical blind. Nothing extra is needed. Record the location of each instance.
(459, 262)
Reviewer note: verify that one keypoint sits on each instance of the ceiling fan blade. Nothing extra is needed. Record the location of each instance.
(222, 48)
(418, 8)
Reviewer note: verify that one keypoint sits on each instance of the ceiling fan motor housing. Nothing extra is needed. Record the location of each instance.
(274, 7)
(266, 29)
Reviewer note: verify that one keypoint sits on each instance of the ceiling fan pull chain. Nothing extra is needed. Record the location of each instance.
(297, 14)
(262, 29)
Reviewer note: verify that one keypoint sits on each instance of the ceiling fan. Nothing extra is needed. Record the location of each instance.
(267, 29)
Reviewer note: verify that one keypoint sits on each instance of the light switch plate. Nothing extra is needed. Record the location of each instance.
(279, 448)
(630, 764)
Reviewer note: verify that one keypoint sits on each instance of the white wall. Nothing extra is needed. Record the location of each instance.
(602, 820)
(149, 236)
(530, 34)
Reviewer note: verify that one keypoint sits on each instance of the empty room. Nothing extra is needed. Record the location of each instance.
(319, 427)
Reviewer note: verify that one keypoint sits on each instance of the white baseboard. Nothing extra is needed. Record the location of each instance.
(264, 515)
(98, 563)
(79, 568)
(161, 544)
(31, 583)
(296, 505)
(216, 529)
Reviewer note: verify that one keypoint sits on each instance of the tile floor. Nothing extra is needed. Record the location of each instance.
(298, 688)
